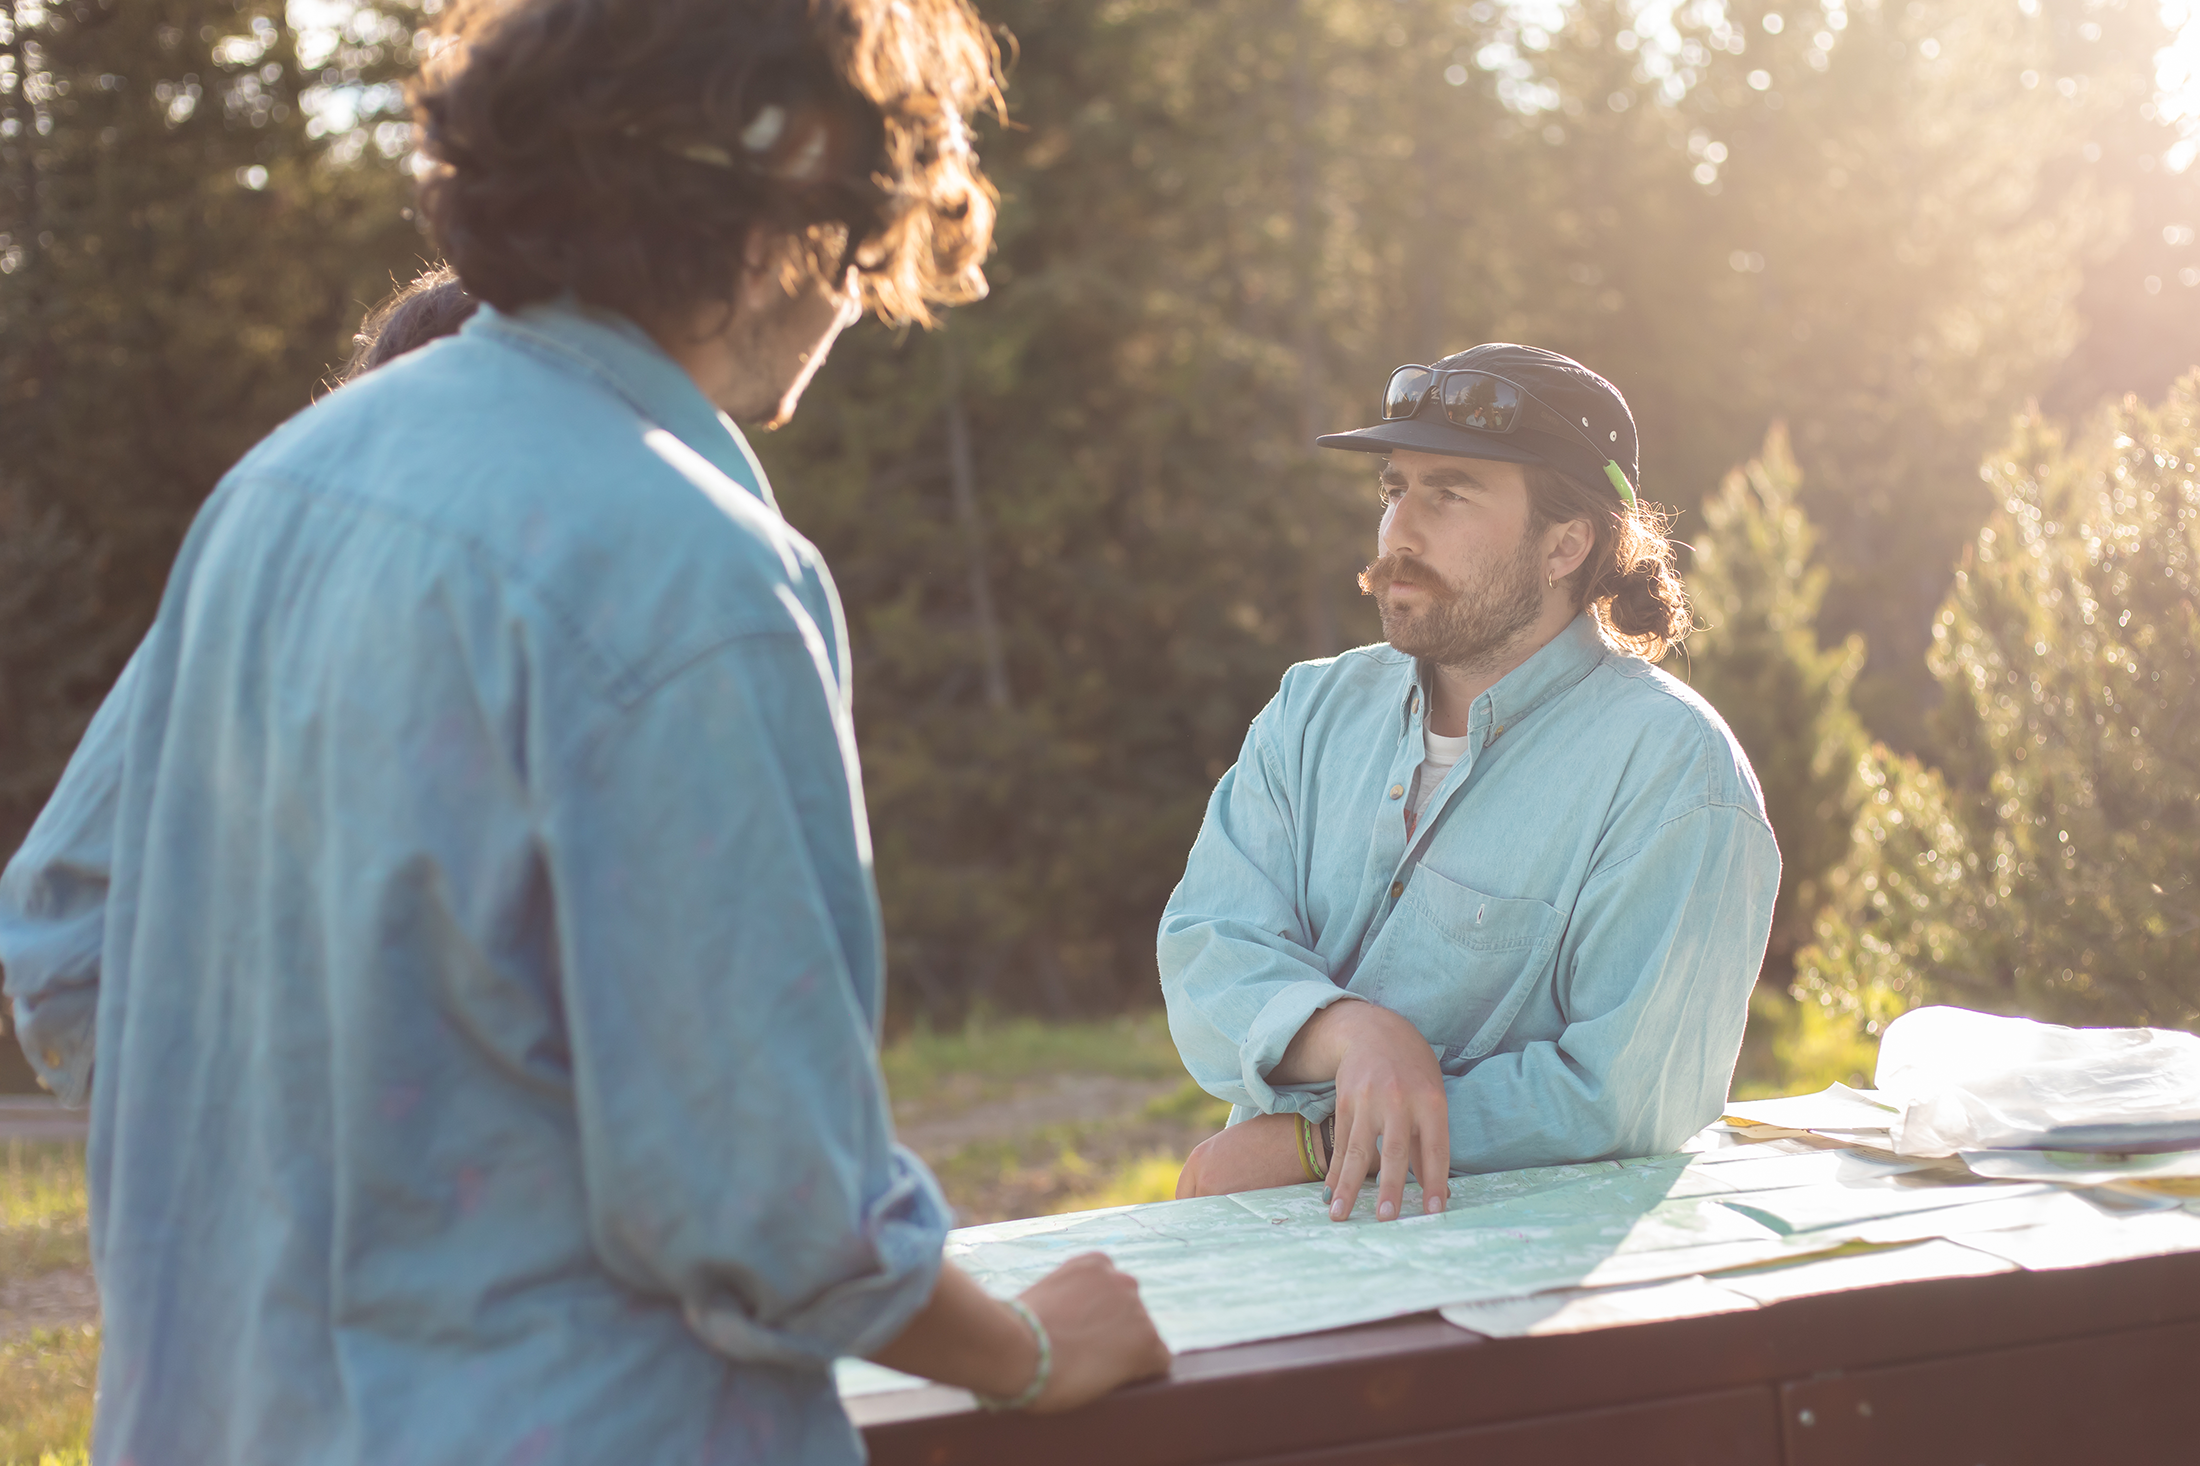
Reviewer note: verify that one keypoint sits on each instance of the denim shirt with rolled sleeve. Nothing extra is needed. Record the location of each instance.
(460, 920)
(1574, 924)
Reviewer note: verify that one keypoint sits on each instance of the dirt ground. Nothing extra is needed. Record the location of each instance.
(64, 1298)
(1059, 1143)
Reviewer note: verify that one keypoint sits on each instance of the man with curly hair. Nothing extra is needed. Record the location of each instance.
(460, 915)
(1492, 894)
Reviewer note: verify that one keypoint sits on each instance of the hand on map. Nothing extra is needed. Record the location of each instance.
(1096, 1326)
(1388, 1086)
(1101, 1334)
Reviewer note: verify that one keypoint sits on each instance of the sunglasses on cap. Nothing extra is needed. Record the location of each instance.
(1484, 402)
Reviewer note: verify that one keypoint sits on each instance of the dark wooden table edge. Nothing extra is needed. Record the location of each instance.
(1420, 1376)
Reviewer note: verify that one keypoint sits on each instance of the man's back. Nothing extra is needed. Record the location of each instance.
(433, 1063)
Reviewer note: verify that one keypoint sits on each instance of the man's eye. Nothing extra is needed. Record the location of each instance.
(1389, 493)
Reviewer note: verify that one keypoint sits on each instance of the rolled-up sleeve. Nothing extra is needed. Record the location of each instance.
(1660, 954)
(1237, 967)
(53, 906)
(718, 943)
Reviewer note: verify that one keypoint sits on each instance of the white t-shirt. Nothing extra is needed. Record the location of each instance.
(1438, 754)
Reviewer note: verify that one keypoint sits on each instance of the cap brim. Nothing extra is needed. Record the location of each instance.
(1419, 435)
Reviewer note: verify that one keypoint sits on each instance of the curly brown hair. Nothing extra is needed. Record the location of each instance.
(627, 151)
(1628, 575)
(431, 305)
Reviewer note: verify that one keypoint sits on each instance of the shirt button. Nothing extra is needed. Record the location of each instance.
(1397, 889)
(52, 1058)
(1397, 791)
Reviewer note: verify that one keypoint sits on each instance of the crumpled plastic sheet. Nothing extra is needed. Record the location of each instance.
(1965, 1081)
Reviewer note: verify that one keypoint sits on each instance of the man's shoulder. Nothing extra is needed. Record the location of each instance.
(1352, 686)
(555, 488)
(1376, 669)
(1674, 732)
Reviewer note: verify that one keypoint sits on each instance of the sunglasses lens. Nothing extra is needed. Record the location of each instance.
(1408, 385)
(1477, 400)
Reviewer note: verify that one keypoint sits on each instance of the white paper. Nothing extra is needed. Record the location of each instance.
(2080, 1167)
(2086, 1243)
(1813, 1208)
(1912, 1263)
(1836, 1107)
(1575, 1310)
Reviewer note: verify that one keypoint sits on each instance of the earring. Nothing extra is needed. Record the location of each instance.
(1550, 582)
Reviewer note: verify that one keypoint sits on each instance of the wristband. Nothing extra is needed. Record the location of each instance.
(1022, 1399)
(1306, 1149)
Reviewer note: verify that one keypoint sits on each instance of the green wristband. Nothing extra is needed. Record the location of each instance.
(1023, 1398)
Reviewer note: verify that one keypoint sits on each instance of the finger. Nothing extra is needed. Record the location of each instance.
(1396, 1141)
(1434, 1164)
(1358, 1158)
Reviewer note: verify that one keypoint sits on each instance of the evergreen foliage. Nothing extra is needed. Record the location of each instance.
(192, 211)
(2054, 872)
(1224, 224)
(1081, 530)
(1756, 585)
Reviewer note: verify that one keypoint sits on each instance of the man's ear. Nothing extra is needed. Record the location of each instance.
(1565, 546)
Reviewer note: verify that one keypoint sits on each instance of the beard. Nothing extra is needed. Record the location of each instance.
(1467, 625)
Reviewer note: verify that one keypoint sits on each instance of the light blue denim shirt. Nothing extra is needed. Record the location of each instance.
(461, 917)
(1575, 925)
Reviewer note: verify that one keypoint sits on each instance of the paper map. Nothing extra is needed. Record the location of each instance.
(1550, 1249)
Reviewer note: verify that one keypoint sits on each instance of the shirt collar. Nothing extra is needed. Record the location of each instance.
(1555, 666)
(621, 355)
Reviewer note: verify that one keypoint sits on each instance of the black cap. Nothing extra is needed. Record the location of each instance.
(1560, 383)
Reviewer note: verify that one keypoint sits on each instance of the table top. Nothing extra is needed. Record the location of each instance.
(1708, 1297)
(1708, 1377)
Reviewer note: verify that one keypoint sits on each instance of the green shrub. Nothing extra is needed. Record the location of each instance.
(2051, 871)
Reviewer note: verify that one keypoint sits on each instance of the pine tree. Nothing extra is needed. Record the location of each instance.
(1756, 585)
(2053, 874)
(185, 244)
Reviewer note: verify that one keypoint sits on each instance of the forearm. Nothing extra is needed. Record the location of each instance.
(966, 1337)
(1313, 1055)
(1236, 999)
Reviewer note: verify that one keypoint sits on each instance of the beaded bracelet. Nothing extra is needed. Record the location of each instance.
(1022, 1399)
(1307, 1157)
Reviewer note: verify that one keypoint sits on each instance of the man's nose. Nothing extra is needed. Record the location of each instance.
(1400, 530)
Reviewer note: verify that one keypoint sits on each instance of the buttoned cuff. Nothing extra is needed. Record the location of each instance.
(1279, 1022)
(56, 1033)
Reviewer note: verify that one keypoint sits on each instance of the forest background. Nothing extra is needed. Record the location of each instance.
(1860, 247)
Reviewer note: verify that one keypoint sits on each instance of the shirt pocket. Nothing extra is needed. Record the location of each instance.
(1459, 962)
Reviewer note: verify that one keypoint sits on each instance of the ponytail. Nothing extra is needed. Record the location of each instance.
(1628, 578)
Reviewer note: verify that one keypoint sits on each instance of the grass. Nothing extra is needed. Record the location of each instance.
(1150, 1177)
(1106, 1161)
(46, 1380)
(1801, 1047)
(991, 1056)
(42, 1216)
(46, 1375)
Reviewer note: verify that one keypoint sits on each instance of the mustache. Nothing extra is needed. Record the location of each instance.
(1396, 569)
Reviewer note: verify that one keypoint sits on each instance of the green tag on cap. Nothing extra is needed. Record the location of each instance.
(1618, 476)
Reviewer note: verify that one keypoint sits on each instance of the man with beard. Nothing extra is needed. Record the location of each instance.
(1492, 894)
